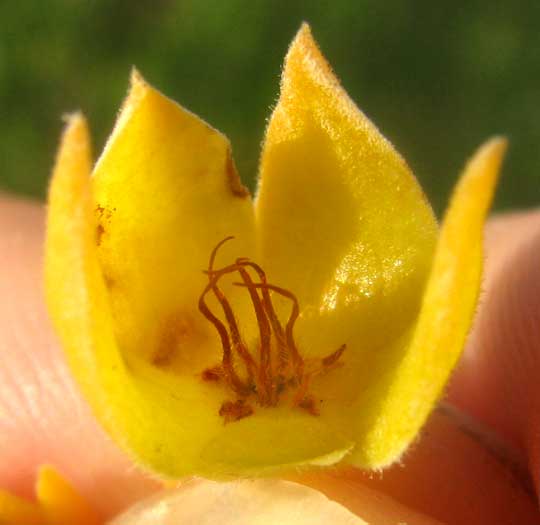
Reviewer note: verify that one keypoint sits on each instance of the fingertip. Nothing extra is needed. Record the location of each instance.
(497, 379)
(451, 475)
(43, 418)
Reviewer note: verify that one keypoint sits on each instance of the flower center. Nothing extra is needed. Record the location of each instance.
(276, 371)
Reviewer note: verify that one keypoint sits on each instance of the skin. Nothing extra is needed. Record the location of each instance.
(485, 470)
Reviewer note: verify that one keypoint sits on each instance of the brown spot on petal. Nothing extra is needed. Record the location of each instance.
(100, 230)
(174, 329)
(104, 216)
(109, 281)
(233, 178)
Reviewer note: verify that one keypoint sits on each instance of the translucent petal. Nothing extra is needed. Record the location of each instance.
(166, 192)
(145, 413)
(410, 392)
(343, 223)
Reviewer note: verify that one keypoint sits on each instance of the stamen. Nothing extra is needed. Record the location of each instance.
(215, 250)
(232, 378)
(333, 358)
(279, 370)
(237, 342)
(238, 386)
(270, 312)
(264, 344)
(295, 312)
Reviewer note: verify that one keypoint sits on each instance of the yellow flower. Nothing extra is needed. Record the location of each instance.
(57, 503)
(323, 333)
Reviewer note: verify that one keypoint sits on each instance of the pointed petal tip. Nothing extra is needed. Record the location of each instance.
(60, 500)
(138, 87)
(75, 127)
(305, 60)
(136, 79)
(494, 147)
(135, 75)
(75, 139)
(137, 91)
(44, 472)
(73, 157)
(485, 163)
(303, 40)
(74, 117)
(304, 31)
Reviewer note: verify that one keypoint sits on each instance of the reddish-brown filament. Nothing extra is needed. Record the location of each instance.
(277, 370)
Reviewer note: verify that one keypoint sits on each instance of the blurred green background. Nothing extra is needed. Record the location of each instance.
(437, 77)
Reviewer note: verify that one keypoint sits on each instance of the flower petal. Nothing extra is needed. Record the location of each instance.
(344, 224)
(75, 293)
(140, 407)
(342, 221)
(15, 510)
(274, 441)
(445, 317)
(58, 503)
(166, 193)
(61, 502)
(169, 422)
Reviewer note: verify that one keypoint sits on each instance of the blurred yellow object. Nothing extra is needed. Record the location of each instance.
(352, 308)
(57, 504)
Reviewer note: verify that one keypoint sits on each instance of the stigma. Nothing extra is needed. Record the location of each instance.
(272, 373)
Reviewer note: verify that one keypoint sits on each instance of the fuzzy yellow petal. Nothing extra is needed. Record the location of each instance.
(60, 502)
(343, 223)
(275, 441)
(139, 405)
(341, 219)
(445, 318)
(166, 192)
(16, 511)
